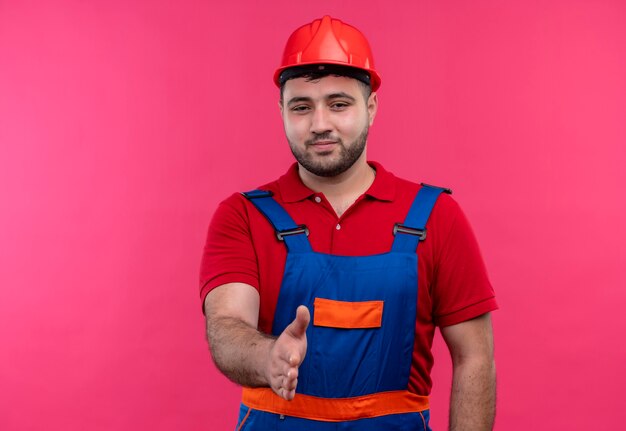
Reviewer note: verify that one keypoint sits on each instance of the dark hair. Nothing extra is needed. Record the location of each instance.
(318, 71)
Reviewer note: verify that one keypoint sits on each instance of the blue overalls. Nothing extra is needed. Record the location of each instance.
(360, 341)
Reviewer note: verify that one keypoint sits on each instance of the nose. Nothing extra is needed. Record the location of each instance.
(320, 121)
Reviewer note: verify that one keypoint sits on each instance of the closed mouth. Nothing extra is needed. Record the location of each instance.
(323, 143)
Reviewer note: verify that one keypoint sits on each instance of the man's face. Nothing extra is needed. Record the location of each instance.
(326, 122)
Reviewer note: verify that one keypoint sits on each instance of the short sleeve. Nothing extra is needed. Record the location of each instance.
(228, 255)
(461, 290)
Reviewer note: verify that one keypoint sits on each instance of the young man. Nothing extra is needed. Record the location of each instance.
(322, 289)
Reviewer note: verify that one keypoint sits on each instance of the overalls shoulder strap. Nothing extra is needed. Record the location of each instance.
(294, 235)
(413, 230)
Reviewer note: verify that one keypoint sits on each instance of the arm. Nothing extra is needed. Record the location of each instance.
(473, 397)
(245, 355)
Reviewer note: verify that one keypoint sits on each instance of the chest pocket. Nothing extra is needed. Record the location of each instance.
(346, 314)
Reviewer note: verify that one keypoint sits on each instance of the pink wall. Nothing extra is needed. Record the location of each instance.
(122, 124)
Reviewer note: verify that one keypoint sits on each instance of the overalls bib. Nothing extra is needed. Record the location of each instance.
(355, 373)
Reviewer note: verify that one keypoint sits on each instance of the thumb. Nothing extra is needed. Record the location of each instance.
(297, 328)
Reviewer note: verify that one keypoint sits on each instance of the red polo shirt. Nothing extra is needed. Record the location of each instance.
(242, 247)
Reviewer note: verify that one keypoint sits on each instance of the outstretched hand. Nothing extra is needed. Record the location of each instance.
(287, 354)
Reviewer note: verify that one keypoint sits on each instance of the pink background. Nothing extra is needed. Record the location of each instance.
(123, 124)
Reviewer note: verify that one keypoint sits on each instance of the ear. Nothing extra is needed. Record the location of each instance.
(372, 107)
(280, 106)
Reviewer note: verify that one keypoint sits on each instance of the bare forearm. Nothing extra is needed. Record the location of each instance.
(473, 397)
(245, 355)
(239, 350)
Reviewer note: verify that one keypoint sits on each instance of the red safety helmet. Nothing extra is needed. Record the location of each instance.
(328, 41)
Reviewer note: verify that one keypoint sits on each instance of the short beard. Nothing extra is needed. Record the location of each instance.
(347, 156)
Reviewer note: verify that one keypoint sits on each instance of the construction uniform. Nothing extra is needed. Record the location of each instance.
(366, 366)
(377, 280)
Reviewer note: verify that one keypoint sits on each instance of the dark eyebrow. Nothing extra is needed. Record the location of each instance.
(298, 100)
(340, 95)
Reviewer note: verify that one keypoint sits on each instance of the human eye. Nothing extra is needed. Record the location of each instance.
(339, 105)
(300, 109)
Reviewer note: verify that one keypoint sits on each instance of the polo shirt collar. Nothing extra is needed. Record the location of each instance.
(292, 189)
(384, 186)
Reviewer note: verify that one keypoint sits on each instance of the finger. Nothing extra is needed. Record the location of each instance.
(288, 360)
(294, 360)
(288, 381)
(303, 317)
(290, 370)
(289, 395)
(297, 328)
(287, 353)
(291, 384)
(292, 373)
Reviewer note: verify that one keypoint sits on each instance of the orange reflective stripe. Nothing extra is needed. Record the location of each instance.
(335, 409)
(343, 314)
(245, 418)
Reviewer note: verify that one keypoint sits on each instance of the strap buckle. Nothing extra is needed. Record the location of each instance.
(443, 189)
(295, 231)
(254, 194)
(421, 233)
